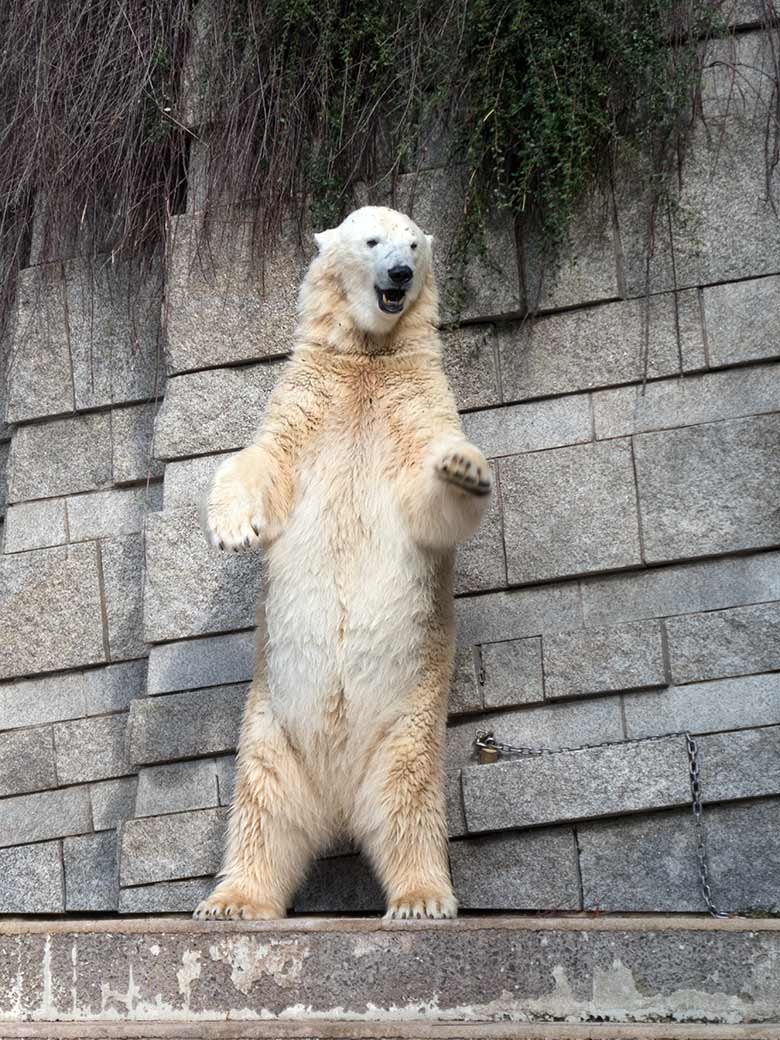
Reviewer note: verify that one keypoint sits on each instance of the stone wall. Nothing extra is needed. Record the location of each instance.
(625, 584)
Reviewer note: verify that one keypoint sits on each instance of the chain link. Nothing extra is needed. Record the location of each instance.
(485, 741)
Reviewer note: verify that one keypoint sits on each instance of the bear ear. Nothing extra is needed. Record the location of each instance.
(325, 238)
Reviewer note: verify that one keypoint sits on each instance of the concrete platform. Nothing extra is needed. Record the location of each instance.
(527, 977)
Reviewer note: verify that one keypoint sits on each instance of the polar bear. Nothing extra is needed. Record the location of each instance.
(358, 486)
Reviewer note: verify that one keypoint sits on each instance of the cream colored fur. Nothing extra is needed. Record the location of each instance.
(358, 486)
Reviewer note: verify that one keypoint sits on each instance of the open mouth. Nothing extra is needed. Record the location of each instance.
(391, 301)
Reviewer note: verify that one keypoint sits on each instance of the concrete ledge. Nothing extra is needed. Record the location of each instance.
(573, 969)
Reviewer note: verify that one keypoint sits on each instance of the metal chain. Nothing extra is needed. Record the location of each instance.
(487, 744)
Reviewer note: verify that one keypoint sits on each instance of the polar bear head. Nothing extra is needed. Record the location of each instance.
(381, 261)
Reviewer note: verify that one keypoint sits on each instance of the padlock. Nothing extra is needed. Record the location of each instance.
(487, 755)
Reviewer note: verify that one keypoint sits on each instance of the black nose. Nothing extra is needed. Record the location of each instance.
(401, 274)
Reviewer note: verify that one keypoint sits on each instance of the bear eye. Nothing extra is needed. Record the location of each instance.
(372, 242)
(414, 245)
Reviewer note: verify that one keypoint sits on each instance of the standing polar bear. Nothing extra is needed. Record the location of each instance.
(358, 486)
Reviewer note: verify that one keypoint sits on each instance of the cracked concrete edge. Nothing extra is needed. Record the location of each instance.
(582, 922)
(325, 1030)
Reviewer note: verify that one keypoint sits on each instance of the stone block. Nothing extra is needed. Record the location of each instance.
(167, 897)
(37, 701)
(223, 305)
(26, 761)
(520, 612)
(601, 346)
(133, 449)
(709, 489)
(549, 725)
(736, 76)
(187, 481)
(465, 690)
(31, 879)
(752, 700)
(114, 687)
(191, 588)
(45, 815)
(570, 511)
(686, 401)
(720, 643)
(456, 818)
(60, 585)
(113, 802)
(5, 449)
(123, 577)
(39, 375)
(576, 785)
(91, 872)
(479, 562)
(511, 672)
(185, 725)
(176, 788)
(536, 870)
(226, 778)
(60, 457)
(686, 588)
(213, 411)
(488, 285)
(604, 660)
(35, 525)
(648, 863)
(106, 514)
(741, 320)
(585, 270)
(726, 228)
(471, 365)
(340, 884)
(91, 749)
(163, 848)
(530, 427)
(194, 663)
(745, 764)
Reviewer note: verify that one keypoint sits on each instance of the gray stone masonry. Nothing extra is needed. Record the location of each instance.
(576, 785)
(64, 585)
(570, 511)
(213, 661)
(222, 307)
(176, 788)
(35, 525)
(530, 427)
(745, 764)
(185, 725)
(213, 411)
(48, 814)
(479, 562)
(113, 802)
(752, 700)
(167, 897)
(604, 660)
(60, 458)
(109, 513)
(161, 848)
(91, 749)
(340, 884)
(91, 872)
(226, 778)
(187, 481)
(741, 320)
(465, 690)
(724, 642)
(471, 365)
(132, 433)
(648, 863)
(709, 489)
(31, 879)
(534, 870)
(511, 672)
(601, 346)
(27, 761)
(687, 401)
(192, 588)
(122, 560)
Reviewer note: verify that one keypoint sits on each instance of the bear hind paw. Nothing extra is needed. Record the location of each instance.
(232, 905)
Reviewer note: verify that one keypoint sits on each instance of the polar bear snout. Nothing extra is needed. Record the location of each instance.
(400, 275)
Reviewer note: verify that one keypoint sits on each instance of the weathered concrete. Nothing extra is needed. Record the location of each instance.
(575, 969)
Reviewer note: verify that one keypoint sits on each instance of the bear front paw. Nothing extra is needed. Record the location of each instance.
(465, 467)
(238, 527)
